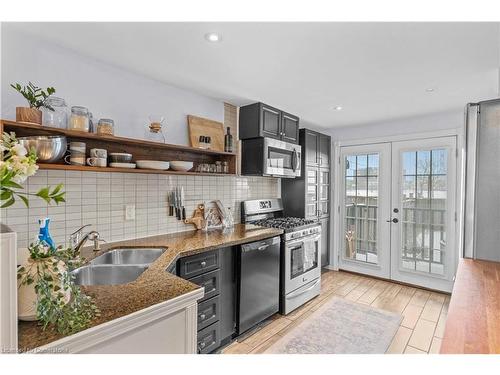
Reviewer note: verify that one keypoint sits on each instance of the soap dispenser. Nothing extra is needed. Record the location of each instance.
(44, 234)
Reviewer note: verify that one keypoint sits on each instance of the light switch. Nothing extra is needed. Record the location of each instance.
(130, 212)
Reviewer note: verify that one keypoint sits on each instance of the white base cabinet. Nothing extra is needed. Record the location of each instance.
(166, 328)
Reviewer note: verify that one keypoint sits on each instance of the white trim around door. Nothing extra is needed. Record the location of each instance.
(452, 141)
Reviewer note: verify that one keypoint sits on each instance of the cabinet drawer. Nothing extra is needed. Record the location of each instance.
(208, 339)
(198, 264)
(210, 281)
(208, 312)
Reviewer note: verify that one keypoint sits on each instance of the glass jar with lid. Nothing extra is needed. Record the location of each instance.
(105, 126)
(79, 119)
(56, 115)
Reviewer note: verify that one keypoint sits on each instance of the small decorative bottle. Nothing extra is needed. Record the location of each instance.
(228, 141)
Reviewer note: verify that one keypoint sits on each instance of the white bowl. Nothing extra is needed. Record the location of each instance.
(122, 165)
(181, 166)
(153, 164)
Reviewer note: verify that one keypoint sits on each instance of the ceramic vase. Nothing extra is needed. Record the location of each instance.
(26, 295)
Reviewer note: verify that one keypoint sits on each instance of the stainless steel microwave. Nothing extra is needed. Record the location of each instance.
(270, 157)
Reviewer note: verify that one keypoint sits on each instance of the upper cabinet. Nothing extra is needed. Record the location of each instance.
(317, 148)
(262, 120)
(289, 127)
(324, 145)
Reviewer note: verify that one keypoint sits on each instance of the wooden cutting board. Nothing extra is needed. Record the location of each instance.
(202, 126)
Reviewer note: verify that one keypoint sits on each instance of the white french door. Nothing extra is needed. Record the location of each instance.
(366, 199)
(397, 211)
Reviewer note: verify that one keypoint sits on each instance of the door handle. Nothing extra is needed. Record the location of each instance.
(295, 161)
(295, 294)
(395, 221)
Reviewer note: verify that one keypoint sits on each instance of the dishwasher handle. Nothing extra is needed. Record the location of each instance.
(260, 245)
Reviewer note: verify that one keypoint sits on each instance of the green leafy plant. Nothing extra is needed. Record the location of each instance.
(61, 304)
(16, 165)
(35, 96)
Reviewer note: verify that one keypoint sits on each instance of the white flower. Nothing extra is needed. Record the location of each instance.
(19, 150)
(31, 170)
(19, 178)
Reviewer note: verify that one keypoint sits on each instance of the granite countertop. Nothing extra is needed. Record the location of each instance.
(155, 285)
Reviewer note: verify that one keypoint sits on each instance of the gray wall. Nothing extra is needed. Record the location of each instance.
(108, 91)
(418, 124)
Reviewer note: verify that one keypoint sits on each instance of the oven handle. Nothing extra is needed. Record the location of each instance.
(298, 293)
(303, 239)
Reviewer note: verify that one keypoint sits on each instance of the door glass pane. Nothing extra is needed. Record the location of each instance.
(350, 164)
(423, 203)
(361, 207)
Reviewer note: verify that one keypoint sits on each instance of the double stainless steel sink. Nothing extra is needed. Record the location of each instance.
(118, 266)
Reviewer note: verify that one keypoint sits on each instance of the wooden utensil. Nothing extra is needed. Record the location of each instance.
(201, 126)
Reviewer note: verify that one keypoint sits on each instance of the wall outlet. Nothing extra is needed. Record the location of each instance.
(130, 212)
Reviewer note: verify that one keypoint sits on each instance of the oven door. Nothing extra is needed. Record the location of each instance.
(282, 159)
(302, 262)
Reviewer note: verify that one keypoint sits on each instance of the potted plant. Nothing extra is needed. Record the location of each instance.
(37, 98)
(56, 301)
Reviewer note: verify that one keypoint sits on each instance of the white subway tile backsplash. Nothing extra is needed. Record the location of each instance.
(99, 199)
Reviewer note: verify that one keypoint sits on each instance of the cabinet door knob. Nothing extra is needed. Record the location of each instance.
(202, 316)
(202, 345)
(203, 264)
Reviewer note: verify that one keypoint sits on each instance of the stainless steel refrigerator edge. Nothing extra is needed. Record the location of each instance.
(482, 189)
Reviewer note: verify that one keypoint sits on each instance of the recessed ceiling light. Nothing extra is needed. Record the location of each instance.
(213, 37)
(338, 108)
(430, 89)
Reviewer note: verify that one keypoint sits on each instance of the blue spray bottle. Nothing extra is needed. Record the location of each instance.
(44, 234)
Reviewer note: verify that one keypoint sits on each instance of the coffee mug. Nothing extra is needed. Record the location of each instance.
(97, 162)
(76, 154)
(98, 153)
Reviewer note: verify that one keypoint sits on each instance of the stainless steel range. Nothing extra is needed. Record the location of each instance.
(300, 250)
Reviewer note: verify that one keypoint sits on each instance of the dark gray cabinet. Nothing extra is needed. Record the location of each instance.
(317, 148)
(270, 119)
(310, 145)
(215, 272)
(262, 120)
(324, 150)
(289, 128)
(310, 195)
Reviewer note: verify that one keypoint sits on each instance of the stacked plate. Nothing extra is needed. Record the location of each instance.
(153, 164)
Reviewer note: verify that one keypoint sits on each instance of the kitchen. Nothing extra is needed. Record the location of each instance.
(230, 222)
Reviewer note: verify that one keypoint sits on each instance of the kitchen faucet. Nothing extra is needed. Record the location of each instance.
(77, 239)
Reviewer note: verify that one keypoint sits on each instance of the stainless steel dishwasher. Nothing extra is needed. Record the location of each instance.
(258, 282)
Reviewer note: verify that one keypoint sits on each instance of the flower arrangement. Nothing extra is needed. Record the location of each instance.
(60, 304)
(16, 165)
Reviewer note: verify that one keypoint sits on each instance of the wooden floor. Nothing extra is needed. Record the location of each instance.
(421, 330)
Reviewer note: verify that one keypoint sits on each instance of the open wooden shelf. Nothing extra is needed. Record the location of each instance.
(140, 149)
(87, 168)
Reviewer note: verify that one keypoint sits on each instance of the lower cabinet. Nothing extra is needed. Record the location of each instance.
(166, 328)
(208, 339)
(215, 272)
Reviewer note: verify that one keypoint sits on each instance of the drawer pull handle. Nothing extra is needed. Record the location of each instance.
(202, 345)
(203, 264)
